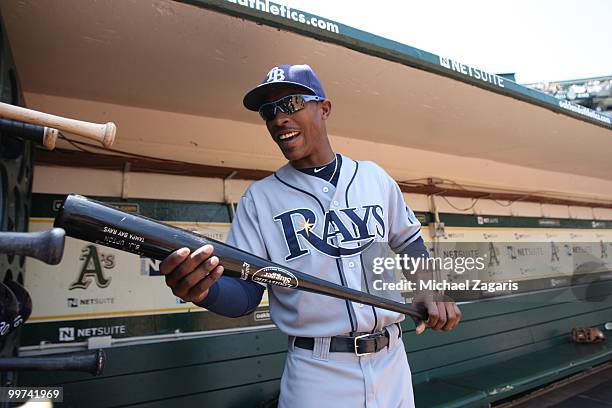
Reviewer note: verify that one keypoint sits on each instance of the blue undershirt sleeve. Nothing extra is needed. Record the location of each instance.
(232, 297)
(415, 249)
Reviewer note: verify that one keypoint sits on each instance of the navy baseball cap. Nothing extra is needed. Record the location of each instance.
(281, 76)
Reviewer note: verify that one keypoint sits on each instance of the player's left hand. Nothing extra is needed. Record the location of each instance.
(443, 315)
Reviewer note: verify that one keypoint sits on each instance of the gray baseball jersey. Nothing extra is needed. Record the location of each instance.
(306, 223)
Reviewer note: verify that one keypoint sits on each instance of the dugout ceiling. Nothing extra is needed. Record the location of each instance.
(172, 56)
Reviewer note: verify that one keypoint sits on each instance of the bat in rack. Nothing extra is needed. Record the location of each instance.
(91, 361)
(41, 135)
(95, 222)
(103, 133)
(46, 246)
(9, 310)
(24, 302)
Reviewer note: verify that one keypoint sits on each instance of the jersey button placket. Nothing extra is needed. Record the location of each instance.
(350, 266)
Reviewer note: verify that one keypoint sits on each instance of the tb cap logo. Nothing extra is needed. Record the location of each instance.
(276, 74)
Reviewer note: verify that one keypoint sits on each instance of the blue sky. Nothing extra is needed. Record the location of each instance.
(538, 40)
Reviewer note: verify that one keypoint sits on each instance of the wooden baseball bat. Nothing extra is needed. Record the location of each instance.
(103, 133)
(95, 222)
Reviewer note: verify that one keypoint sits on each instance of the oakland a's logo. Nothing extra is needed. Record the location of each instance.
(345, 232)
(92, 268)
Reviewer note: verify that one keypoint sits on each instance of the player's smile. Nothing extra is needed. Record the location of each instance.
(285, 136)
(291, 143)
(287, 139)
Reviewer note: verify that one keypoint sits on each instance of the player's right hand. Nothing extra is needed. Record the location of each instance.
(191, 274)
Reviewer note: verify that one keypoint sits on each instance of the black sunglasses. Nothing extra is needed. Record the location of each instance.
(288, 104)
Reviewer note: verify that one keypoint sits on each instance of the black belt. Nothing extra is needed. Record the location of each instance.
(360, 345)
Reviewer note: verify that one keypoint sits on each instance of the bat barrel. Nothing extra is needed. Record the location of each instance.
(92, 362)
(101, 224)
(24, 300)
(46, 246)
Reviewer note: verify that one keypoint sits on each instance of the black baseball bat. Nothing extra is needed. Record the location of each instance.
(88, 361)
(24, 300)
(46, 246)
(9, 310)
(95, 222)
(41, 135)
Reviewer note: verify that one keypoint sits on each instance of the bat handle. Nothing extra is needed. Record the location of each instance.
(46, 246)
(421, 314)
(92, 362)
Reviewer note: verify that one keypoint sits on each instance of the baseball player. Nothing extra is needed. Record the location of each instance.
(318, 214)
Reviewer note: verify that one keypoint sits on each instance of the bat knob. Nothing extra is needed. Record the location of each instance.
(109, 134)
(98, 368)
(49, 138)
(56, 241)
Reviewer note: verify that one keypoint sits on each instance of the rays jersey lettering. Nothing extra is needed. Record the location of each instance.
(345, 231)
